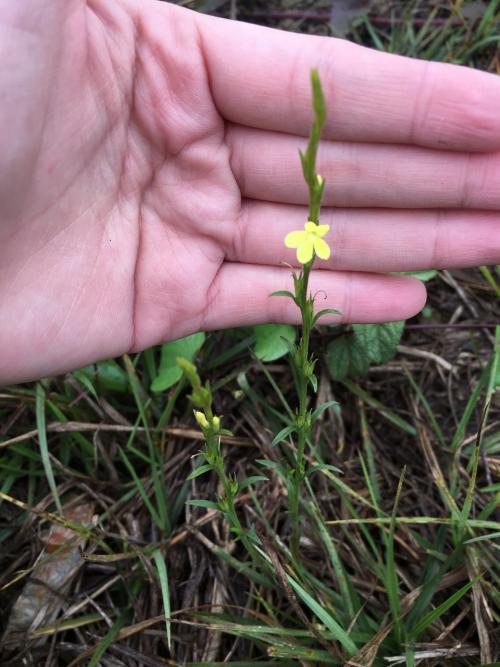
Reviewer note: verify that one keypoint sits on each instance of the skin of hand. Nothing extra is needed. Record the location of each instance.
(149, 173)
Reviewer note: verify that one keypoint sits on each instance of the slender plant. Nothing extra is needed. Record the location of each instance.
(211, 427)
(309, 244)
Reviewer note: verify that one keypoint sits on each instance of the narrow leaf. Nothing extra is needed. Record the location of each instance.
(321, 408)
(283, 434)
(165, 593)
(44, 448)
(199, 471)
(199, 502)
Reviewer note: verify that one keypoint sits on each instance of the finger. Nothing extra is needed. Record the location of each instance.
(380, 240)
(267, 167)
(261, 78)
(240, 296)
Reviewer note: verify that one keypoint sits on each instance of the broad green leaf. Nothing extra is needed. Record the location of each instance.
(169, 372)
(273, 340)
(111, 376)
(346, 358)
(379, 341)
(107, 375)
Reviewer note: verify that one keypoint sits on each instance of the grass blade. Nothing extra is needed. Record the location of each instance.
(165, 592)
(44, 448)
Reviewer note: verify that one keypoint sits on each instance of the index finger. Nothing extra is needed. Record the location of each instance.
(260, 78)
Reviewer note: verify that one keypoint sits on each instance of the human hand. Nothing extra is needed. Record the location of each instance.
(149, 173)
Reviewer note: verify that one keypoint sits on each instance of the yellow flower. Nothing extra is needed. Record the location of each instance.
(309, 242)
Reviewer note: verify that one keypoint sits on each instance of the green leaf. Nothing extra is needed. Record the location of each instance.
(85, 376)
(273, 465)
(321, 408)
(283, 434)
(424, 276)
(323, 466)
(346, 358)
(199, 502)
(108, 639)
(284, 292)
(273, 340)
(341, 635)
(199, 471)
(169, 372)
(111, 376)
(251, 480)
(379, 341)
(165, 592)
(44, 448)
(436, 613)
(107, 375)
(325, 311)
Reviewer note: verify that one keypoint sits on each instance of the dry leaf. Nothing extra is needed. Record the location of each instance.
(43, 595)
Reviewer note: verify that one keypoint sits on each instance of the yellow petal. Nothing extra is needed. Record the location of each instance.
(295, 239)
(321, 248)
(310, 227)
(305, 251)
(321, 230)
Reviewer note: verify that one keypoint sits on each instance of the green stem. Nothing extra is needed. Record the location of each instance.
(213, 447)
(301, 365)
(303, 362)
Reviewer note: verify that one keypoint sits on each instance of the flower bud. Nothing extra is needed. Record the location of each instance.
(216, 422)
(201, 419)
(319, 180)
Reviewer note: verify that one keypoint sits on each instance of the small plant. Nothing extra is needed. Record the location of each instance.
(309, 244)
(211, 427)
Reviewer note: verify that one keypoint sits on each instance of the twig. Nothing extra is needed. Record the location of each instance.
(444, 653)
(425, 354)
(74, 427)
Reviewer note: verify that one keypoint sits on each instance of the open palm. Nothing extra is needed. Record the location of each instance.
(149, 174)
